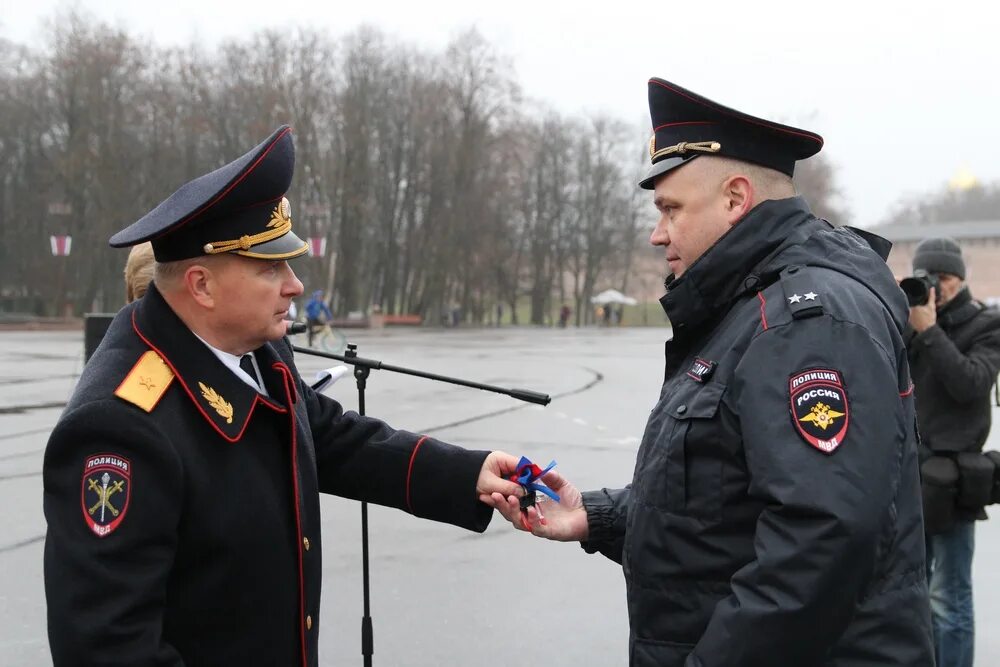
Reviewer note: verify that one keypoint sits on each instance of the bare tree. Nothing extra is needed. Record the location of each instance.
(815, 181)
(431, 180)
(602, 206)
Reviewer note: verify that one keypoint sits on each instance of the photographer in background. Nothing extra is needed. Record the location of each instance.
(954, 352)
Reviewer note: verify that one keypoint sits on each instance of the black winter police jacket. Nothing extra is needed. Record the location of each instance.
(774, 515)
(183, 506)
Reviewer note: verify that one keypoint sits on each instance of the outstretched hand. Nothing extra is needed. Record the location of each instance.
(565, 521)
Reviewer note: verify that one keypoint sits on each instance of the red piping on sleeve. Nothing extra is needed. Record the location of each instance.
(904, 394)
(409, 471)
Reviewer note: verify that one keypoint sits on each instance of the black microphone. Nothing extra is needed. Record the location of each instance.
(297, 328)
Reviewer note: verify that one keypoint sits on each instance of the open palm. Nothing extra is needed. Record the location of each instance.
(564, 521)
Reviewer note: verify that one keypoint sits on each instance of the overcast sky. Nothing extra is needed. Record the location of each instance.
(905, 93)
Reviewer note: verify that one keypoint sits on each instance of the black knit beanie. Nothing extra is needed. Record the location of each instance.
(940, 255)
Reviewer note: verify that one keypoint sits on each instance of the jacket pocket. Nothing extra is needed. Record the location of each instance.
(939, 487)
(995, 457)
(652, 653)
(975, 480)
(680, 471)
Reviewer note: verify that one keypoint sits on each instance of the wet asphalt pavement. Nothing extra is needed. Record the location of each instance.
(440, 595)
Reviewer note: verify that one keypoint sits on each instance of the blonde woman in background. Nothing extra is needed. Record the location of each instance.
(138, 271)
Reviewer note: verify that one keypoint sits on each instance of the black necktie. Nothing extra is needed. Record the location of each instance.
(246, 363)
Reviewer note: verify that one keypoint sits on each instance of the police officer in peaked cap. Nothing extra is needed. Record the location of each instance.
(181, 484)
(774, 514)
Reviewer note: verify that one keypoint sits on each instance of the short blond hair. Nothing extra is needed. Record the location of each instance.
(170, 275)
(138, 271)
(770, 183)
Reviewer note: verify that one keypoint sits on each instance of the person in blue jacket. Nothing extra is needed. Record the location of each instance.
(318, 314)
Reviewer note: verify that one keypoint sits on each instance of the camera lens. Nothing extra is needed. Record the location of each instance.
(917, 290)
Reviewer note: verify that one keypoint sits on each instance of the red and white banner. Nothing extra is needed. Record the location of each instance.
(317, 246)
(61, 245)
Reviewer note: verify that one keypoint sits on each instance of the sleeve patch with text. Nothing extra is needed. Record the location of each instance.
(819, 408)
(107, 487)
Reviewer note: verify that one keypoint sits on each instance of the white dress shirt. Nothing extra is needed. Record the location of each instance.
(232, 362)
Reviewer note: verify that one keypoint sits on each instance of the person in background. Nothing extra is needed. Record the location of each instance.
(138, 271)
(318, 314)
(953, 343)
(564, 312)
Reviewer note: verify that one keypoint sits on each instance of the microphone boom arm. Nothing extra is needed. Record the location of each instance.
(374, 364)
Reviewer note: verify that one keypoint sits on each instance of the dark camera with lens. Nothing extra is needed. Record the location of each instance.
(918, 287)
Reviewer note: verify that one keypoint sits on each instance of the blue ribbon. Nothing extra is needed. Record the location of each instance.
(528, 473)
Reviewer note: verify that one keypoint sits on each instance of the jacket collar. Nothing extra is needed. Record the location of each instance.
(739, 262)
(222, 398)
(959, 310)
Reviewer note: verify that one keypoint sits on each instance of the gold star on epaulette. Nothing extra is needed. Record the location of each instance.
(146, 383)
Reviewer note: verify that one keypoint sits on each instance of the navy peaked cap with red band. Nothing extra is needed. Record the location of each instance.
(238, 208)
(686, 125)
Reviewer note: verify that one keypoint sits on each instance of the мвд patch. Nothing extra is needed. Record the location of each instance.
(819, 408)
(107, 488)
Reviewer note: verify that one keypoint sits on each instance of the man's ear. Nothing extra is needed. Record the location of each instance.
(738, 193)
(201, 284)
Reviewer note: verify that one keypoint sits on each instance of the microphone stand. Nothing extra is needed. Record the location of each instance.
(362, 368)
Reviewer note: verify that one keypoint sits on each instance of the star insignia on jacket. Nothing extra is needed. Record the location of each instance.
(809, 296)
(147, 382)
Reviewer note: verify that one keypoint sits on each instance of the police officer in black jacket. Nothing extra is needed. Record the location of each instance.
(774, 514)
(182, 482)
(954, 349)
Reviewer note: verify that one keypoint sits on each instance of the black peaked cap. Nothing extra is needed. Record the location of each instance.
(686, 125)
(240, 208)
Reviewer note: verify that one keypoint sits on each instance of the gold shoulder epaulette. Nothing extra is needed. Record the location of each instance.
(146, 383)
